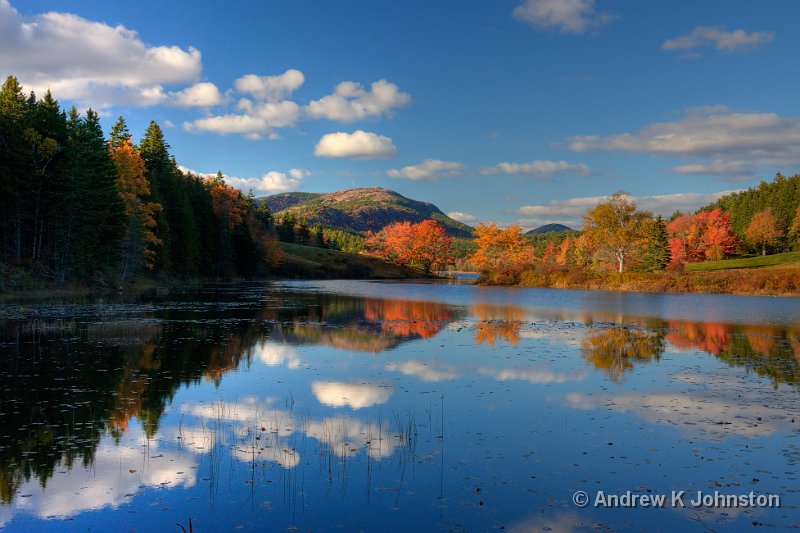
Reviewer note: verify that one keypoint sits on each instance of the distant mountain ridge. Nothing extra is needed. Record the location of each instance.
(548, 228)
(364, 209)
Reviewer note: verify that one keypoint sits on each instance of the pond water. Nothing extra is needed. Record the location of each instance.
(366, 406)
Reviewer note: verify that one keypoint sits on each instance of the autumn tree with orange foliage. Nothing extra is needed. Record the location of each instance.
(425, 245)
(227, 203)
(550, 254)
(503, 249)
(497, 322)
(140, 242)
(392, 243)
(432, 248)
(763, 230)
(794, 229)
(564, 255)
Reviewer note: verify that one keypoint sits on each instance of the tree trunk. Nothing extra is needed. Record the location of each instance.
(621, 263)
(763, 250)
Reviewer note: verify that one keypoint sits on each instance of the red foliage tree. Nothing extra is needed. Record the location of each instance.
(431, 247)
(719, 239)
(707, 235)
(424, 245)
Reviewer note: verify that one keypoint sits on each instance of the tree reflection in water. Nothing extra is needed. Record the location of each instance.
(615, 350)
(769, 351)
(497, 322)
(66, 382)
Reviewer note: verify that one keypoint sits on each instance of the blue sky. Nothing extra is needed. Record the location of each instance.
(518, 110)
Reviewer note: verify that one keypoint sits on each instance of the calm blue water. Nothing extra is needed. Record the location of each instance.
(362, 406)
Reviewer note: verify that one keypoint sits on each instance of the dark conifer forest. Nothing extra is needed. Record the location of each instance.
(76, 205)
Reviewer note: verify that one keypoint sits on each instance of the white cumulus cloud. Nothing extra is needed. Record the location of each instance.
(566, 16)
(271, 182)
(430, 169)
(271, 88)
(536, 168)
(203, 94)
(717, 167)
(359, 145)
(727, 41)
(267, 108)
(259, 120)
(703, 133)
(351, 102)
(461, 217)
(90, 62)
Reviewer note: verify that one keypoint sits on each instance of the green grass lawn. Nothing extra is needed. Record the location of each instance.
(308, 262)
(784, 259)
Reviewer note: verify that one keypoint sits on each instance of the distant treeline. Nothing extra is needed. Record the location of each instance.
(295, 229)
(76, 206)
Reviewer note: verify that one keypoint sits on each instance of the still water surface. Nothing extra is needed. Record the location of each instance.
(359, 406)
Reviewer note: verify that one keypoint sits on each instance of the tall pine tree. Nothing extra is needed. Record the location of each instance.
(154, 150)
(100, 221)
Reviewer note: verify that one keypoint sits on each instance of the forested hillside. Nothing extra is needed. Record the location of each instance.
(76, 206)
(360, 210)
(781, 196)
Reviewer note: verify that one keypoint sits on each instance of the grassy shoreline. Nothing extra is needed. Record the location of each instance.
(307, 262)
(749, 282)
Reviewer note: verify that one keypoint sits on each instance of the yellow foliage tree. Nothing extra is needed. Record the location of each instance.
(617, 227)
(500, 248)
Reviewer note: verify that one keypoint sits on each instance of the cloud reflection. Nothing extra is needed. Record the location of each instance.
(353, 395)
(535, 376)
(277, 354)
(708, 409)
(425, 371)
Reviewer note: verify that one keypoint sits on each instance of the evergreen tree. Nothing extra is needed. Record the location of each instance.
(100, 220)
(781, 194)
(120, 133)
(154, 151)
(72, 204)
(14, 167)
(655, 256)
(285, 228)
